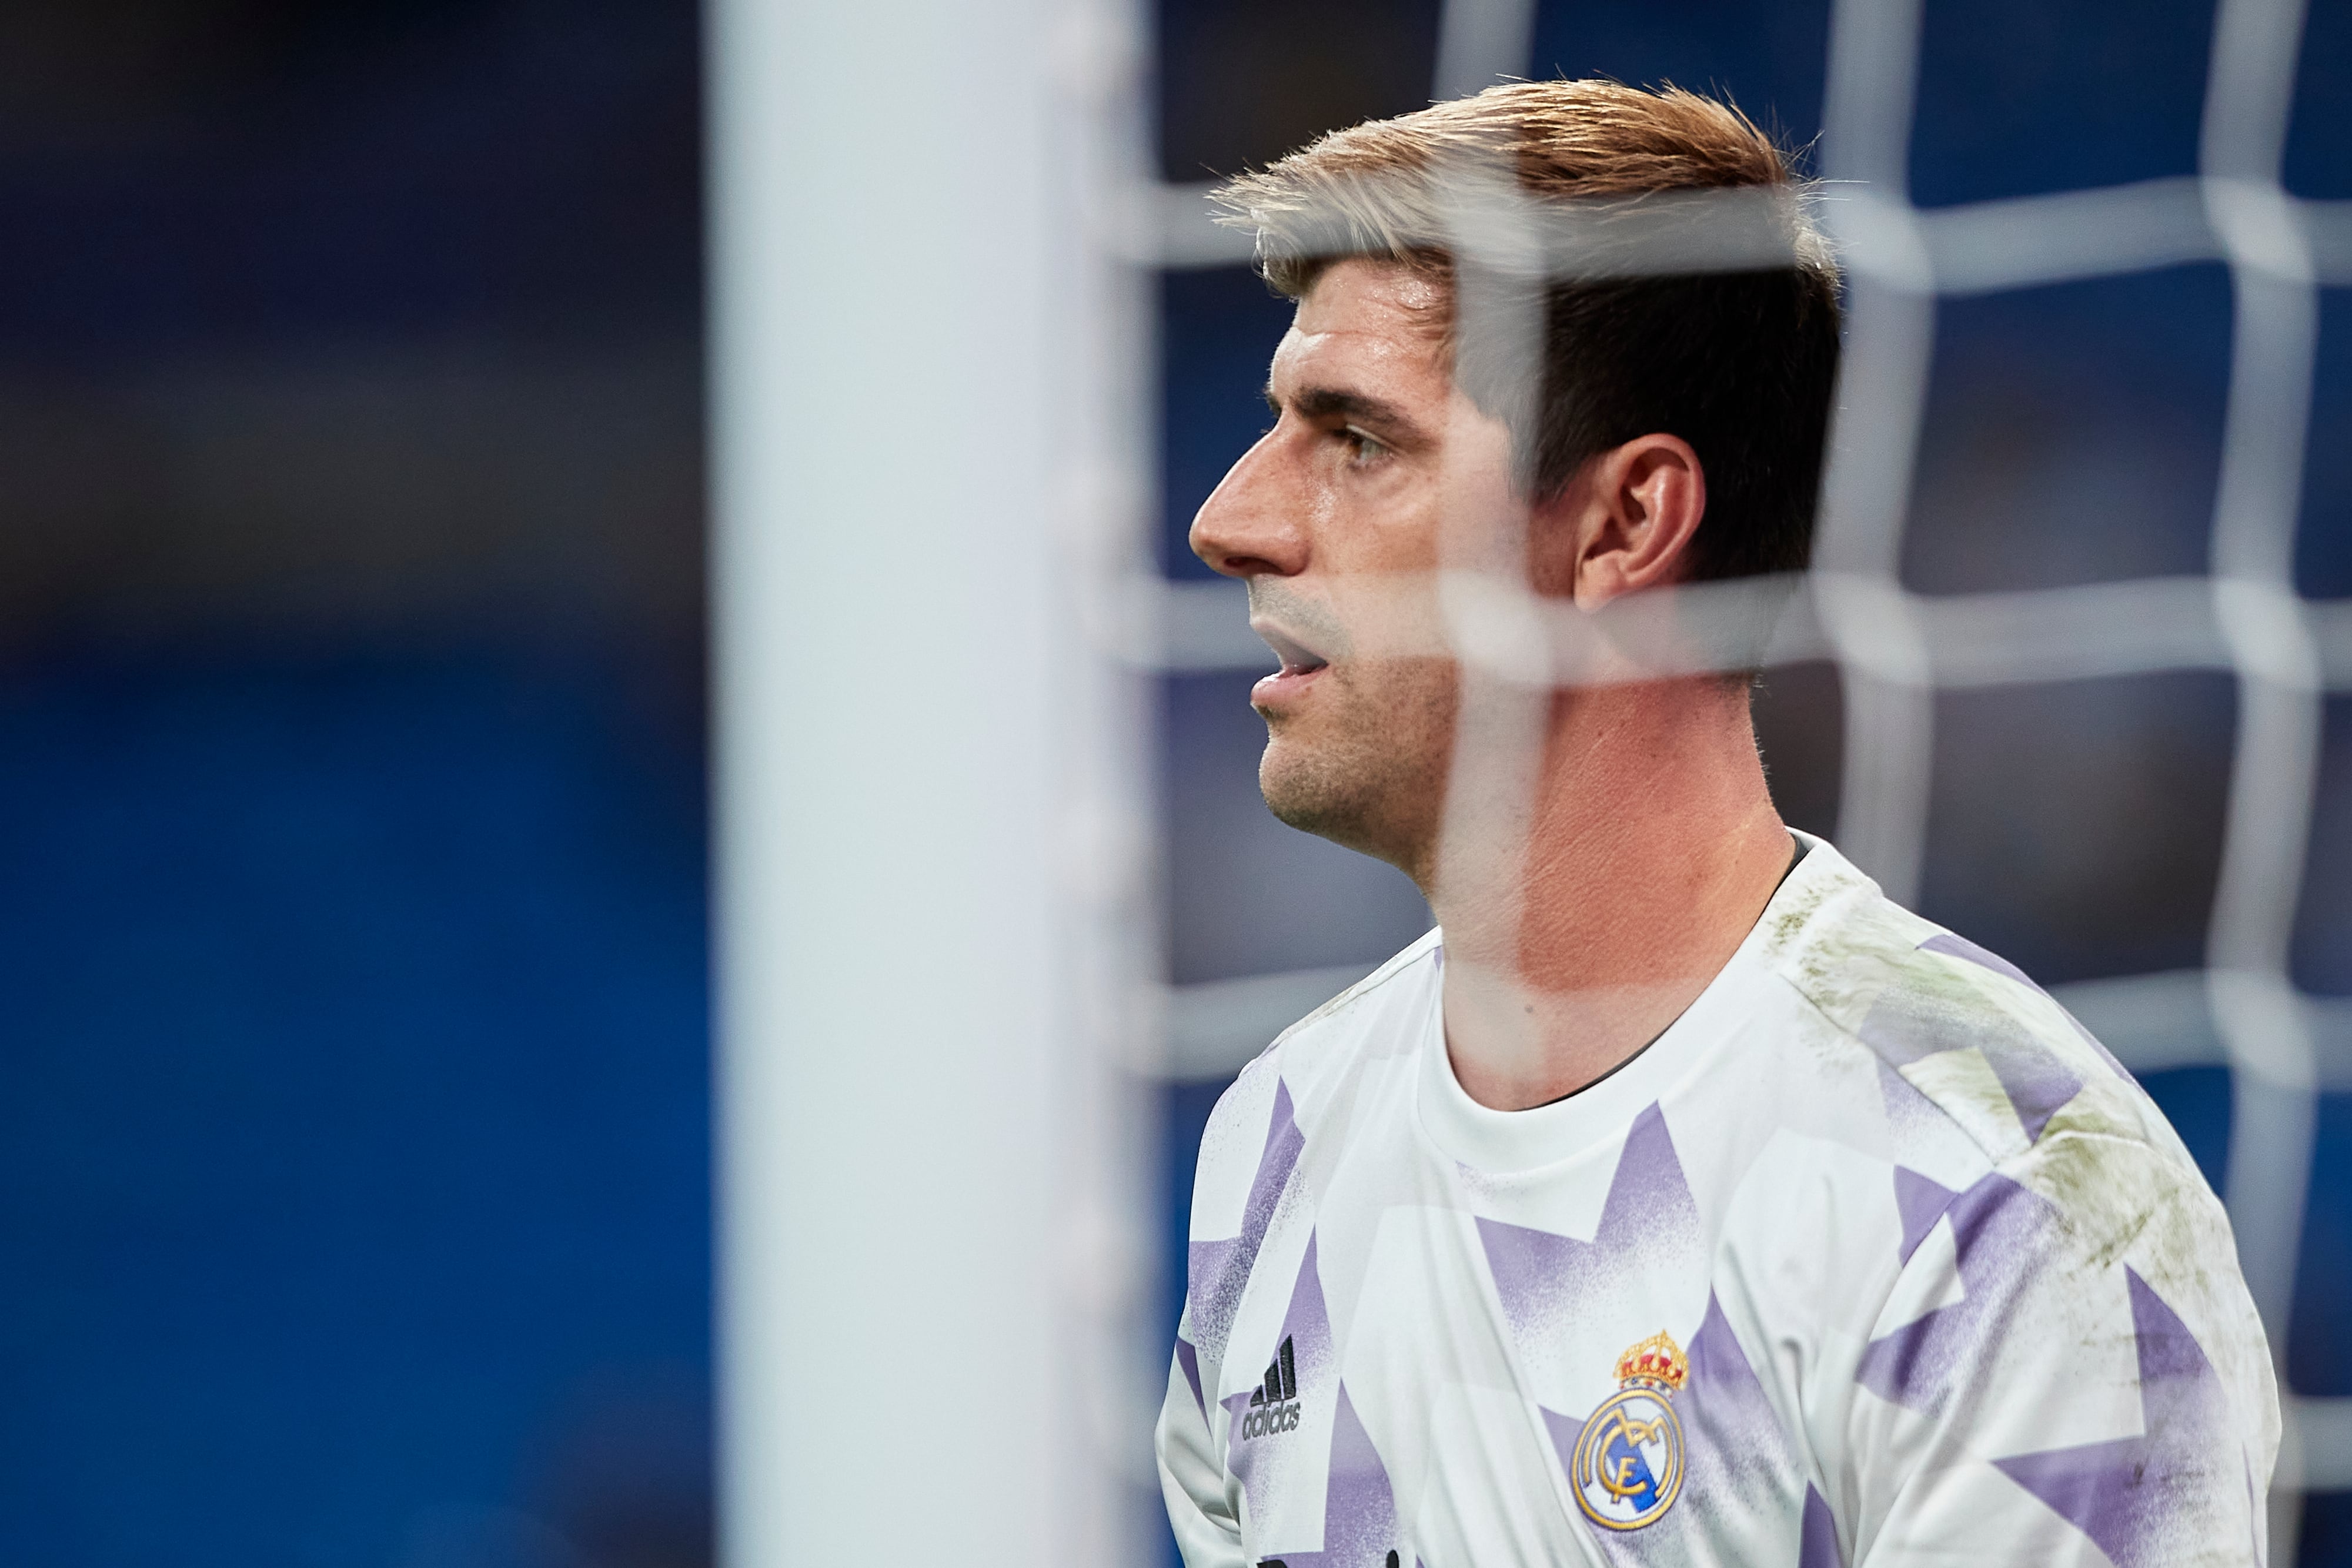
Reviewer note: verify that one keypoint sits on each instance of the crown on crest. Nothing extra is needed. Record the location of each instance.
(1657, 1363)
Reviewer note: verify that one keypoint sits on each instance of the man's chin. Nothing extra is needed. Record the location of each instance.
(1312, 795)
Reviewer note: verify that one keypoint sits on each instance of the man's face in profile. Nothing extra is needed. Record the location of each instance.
(1334, 519)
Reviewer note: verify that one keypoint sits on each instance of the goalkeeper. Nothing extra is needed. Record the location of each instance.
(1680, 1198)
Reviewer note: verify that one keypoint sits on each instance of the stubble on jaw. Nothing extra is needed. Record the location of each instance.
(1367, 770)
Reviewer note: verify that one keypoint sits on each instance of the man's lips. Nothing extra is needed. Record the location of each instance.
(1297, 658)
(1300, 665)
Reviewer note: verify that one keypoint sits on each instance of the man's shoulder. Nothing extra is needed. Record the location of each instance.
(1961, 1037)
(1384, 1015)
(2016, 1153)
(1419, 959)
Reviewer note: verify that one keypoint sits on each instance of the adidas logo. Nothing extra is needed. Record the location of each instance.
(1274, 1404)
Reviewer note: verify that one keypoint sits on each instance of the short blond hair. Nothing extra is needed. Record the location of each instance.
(1740, 362)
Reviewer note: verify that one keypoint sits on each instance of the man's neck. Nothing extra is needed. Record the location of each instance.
(1653, 849)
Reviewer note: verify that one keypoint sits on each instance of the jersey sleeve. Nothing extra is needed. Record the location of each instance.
(2062, 1374)
(1207, 1533)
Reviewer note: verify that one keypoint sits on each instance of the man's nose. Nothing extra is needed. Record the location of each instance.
(1249, 525)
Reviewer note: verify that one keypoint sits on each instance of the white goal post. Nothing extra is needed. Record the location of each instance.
(932, 863)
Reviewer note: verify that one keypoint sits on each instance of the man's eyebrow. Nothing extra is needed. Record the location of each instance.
(1333, 403)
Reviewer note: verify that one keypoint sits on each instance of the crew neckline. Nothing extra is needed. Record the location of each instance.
(1595, 1115)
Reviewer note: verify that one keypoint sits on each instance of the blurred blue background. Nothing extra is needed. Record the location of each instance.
(353, 1111)
(354, 1104)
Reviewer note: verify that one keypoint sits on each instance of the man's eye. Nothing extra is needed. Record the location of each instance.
(1363, 449)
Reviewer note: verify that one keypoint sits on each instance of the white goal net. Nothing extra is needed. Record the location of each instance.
(1897, 649)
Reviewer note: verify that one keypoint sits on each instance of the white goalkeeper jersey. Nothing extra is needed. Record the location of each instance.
(1873, 1258)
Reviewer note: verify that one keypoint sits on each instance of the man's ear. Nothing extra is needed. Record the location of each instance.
(1623, 524)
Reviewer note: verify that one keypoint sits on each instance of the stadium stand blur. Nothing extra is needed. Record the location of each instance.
(354, 1104)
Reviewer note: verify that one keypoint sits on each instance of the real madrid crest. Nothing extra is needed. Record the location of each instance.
(1628, 1461)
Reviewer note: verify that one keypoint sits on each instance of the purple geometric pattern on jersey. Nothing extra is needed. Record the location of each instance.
(1817, 1546)
(1908, 1111)
(1921, 1203)
(1359, 1504)
(1215, 1272)
(1565, 1430)
(1359, 1524)
(2130, 1495)
(1190, 1360)
(1737, 1468)
(1906, 1024)
(1545, 1280)
(1961, 947)
(1307, 1326)
(1999, 1230)
(1739, 1459)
